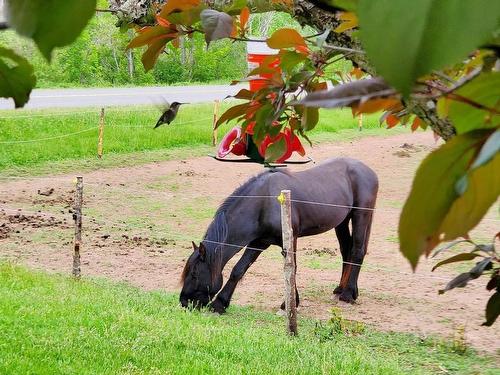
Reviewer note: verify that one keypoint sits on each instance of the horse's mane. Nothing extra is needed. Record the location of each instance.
(217, 231)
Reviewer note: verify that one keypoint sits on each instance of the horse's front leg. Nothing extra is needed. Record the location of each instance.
(221, 302)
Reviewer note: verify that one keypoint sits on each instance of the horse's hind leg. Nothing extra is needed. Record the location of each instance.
(250, 255)
(297, 299)
(361, 224)
(345, 241)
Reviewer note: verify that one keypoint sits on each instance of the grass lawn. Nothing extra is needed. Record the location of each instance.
(52, 324)
(32, 140)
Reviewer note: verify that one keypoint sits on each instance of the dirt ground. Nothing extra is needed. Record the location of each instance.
(139, 221)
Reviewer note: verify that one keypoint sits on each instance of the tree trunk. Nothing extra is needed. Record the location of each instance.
(130, 58)
(320, 17)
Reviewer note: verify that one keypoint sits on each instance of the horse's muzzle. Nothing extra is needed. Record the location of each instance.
(197, 302)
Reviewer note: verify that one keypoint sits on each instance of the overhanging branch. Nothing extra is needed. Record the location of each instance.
(310, 13)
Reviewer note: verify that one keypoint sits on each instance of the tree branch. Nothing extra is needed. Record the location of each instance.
(310, 13)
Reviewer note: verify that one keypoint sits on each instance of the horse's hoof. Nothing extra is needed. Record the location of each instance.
(347, 296)
(217, 307)
(338, 290)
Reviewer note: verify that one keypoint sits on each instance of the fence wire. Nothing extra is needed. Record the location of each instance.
(176, 238)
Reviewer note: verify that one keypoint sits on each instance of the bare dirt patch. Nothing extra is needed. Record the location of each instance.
(139, 221)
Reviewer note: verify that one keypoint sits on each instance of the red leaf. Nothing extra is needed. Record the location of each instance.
(392, 121)
(416, 123)
(244, 16)
(356, 72)
(178, 5)
(151, 55)
(285, 38)
(303, 50)
(232, 113)
(162, 21)
(147, 35)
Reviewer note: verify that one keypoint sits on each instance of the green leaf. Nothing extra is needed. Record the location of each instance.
(405, 40)
(263, 119)
(50, 23)
(16, 77)
(456, 258)
(489, 150)
(275, 150)
(467, 210)
(492, 309)
(290, 59)
(484, 90)
(433, 194)
(310, 118)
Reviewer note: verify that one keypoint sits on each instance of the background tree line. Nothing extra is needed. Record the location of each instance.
(99, 57)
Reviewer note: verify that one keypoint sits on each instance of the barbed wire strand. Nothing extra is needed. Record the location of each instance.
(96, 112)
(225, 196)
(173, 238)
(48, 138)
(87, 130)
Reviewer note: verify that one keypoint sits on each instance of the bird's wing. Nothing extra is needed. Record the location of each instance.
(160, 103)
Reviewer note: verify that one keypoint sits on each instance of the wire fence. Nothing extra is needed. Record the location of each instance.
(113, 126)
(49, 138)
(171, 237)
(83, 112)
(177, 237)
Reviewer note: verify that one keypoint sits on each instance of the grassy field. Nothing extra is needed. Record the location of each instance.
(52, 324)
(31, 139)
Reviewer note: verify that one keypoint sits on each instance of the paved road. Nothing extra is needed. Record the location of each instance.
(57, 98)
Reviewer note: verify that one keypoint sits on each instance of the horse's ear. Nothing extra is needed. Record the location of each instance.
(202, 251)
(194, 246)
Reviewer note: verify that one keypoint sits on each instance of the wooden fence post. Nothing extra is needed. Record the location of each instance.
(77, 216)
(289, 267)
(214, 130)
(101, 134)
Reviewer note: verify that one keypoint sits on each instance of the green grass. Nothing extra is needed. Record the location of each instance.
(129, 137)
(53, 325)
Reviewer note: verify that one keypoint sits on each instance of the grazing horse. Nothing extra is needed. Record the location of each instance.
(330, 195)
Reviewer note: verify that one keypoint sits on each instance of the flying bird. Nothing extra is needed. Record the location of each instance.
(169, 115)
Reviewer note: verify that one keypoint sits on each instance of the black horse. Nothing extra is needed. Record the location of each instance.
(250, 218)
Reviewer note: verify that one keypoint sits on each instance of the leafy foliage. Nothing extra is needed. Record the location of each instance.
(426, 66)
(420, 230)
(475, 104)
(16, 77)
(488, 265)
(54, 23)
(407, 40)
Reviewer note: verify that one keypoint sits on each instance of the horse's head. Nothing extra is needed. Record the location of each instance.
(201, 278)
